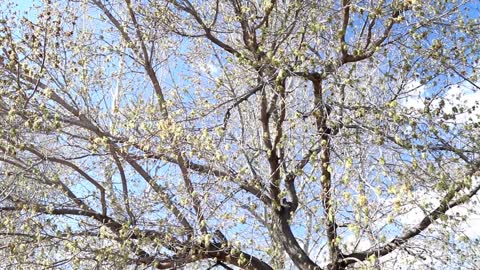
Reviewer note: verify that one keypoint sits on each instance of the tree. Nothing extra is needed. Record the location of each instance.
(252, 134)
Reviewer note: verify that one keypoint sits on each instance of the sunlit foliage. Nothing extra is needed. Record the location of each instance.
(240, 134)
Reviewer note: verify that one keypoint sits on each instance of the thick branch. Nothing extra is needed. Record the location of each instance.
(162, 193)
(446, 204)
(197, 206)
(321, 114)
(208, 32)
(78, 170)
(147, 61)
(126, 198)
(284, 235)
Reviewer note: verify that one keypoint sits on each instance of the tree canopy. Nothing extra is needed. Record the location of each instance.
(239, 134)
